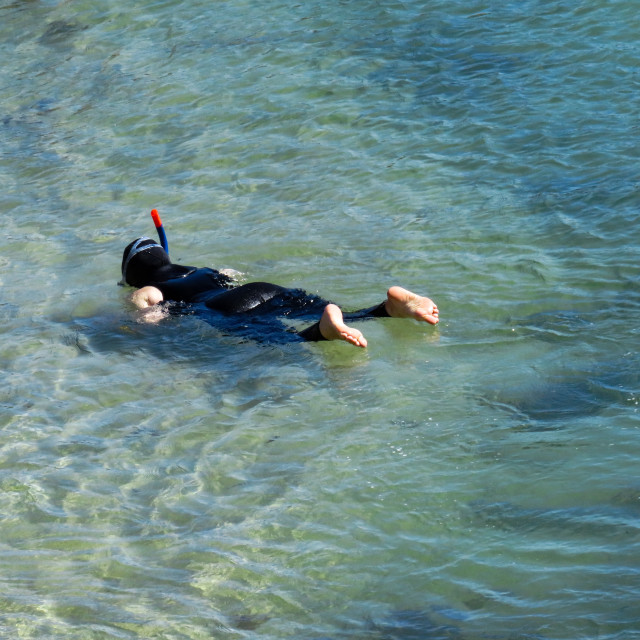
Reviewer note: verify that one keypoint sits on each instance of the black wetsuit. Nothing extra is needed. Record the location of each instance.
(254, 309)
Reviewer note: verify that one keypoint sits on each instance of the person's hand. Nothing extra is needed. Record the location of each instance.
(146, 297)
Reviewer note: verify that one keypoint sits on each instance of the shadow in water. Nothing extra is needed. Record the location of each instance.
(546, 404)
(554, 326)
(413, 625)
(60, 33)
(611, 522)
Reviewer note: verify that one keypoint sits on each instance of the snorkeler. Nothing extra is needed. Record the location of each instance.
(254, 309)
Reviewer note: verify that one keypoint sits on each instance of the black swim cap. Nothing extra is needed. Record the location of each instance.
(141, 261)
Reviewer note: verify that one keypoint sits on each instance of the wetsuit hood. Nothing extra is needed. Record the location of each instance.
(144, 262)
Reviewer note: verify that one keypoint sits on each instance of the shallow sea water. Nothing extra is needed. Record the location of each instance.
(475, 480)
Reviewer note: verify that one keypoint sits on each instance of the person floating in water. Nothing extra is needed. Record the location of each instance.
(255, 309)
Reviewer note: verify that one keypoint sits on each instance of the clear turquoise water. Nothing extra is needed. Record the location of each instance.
(478, 480)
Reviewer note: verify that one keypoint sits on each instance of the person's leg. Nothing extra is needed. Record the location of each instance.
(400, 303)
(331, 326)
(265, 299)
(256, 310)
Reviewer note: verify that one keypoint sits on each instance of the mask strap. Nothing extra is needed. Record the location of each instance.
(135, 250)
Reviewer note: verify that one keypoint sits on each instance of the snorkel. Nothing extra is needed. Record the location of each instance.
(162, 236)
(149, 246)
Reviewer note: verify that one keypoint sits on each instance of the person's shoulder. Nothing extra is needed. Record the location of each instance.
(221, 279)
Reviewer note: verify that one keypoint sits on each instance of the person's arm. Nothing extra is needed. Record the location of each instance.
(146, 297)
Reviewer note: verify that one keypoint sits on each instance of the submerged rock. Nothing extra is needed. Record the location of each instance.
(601, 522)
(60, 31)
(552, 326)
(545, 402)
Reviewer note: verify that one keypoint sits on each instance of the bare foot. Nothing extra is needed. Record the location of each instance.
(405, 304)
(332, 327)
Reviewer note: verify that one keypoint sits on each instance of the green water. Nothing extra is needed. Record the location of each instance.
(475, 480)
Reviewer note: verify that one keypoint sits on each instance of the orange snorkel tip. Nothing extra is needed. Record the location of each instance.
(160, 229)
